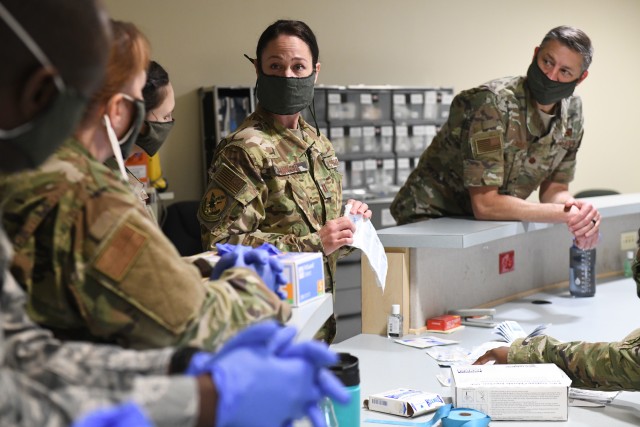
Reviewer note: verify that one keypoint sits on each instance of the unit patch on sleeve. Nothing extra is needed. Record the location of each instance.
(120, 252)
(213, 204)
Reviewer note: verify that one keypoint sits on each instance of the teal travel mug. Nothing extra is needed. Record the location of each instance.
(347, 371)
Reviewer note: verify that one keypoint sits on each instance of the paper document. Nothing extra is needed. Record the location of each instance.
(366, 239)
(581, 397)
(510, 330)
(425, 342)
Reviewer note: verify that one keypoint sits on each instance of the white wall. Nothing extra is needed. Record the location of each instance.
(458, 43)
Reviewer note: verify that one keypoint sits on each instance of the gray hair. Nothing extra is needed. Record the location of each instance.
(574, 39)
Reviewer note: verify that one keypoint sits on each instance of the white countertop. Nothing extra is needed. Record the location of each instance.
(462, 232)
(609, 316)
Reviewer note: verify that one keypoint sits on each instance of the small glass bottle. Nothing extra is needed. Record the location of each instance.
(628, 262)
(394, 322)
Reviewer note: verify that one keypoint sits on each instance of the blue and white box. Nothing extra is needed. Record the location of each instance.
(304, 272)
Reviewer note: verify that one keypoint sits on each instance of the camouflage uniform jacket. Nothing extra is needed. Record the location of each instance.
(603, 365)
(268, 185)
(96, 268)
(494, 137)
(44, 382)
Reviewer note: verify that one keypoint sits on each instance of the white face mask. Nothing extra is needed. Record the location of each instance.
(122, 147)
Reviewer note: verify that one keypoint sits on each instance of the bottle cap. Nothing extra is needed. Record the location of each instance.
(630, 254)
(347, 369)
(395, 309)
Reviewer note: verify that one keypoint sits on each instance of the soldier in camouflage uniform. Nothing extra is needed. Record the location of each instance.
(276, 178)
(505, 139)
(97, 268)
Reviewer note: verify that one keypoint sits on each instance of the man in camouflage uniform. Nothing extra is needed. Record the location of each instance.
(505, 139)
(276, 185)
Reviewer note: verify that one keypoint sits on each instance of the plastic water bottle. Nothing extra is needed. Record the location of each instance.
(582, 271)
(348, 372)
(628, 263)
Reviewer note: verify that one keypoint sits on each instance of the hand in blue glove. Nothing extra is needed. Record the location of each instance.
(264, 379)
(255, 336)
(125, 415)
(269, 268)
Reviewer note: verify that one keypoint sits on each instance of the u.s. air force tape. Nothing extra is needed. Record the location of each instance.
(459, 417)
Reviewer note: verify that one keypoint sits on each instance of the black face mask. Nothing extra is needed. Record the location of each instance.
(33, 142)
(285, 95)
(544, 90)
(156, 136)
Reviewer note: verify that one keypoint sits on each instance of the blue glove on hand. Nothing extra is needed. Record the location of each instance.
(125, 415)
(269, 268)
(263, 378)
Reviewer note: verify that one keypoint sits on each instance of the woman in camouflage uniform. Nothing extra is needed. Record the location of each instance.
(275, 179)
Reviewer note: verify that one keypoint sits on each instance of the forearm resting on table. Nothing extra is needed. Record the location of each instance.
(488, 204)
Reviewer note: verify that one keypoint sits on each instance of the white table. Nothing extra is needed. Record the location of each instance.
(608, 316)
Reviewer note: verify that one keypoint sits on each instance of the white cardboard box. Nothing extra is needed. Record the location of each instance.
(535, 392)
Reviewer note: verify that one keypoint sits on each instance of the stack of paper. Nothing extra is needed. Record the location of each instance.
(510, 330)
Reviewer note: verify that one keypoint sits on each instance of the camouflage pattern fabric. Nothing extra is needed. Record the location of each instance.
(268, 184)
(95, 266)
(603, 365)
(494, 137)
(44, 382)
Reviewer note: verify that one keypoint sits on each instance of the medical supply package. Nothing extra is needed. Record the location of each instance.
(443, 323)
(404, 402)
(532, 392)
(304, 272)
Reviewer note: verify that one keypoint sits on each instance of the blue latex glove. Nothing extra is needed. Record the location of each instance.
(264, 379)
(125, 415)
(269, 268)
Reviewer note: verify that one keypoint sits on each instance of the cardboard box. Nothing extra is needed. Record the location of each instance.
(443, 323)
(304, 272)
(536, 392)
(404, 402)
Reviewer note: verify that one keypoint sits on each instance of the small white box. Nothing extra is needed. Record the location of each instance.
(304, 272)
(404, 402)
(533, 392)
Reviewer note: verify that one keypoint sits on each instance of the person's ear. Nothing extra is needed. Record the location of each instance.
(582, 77)
(118, 113)
(535, 53)
(317, 72)
(38, 92)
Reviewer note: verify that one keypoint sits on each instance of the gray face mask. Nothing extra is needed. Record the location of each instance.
(33, 142)
(285, 95)
(155, 137)
(544, 90)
